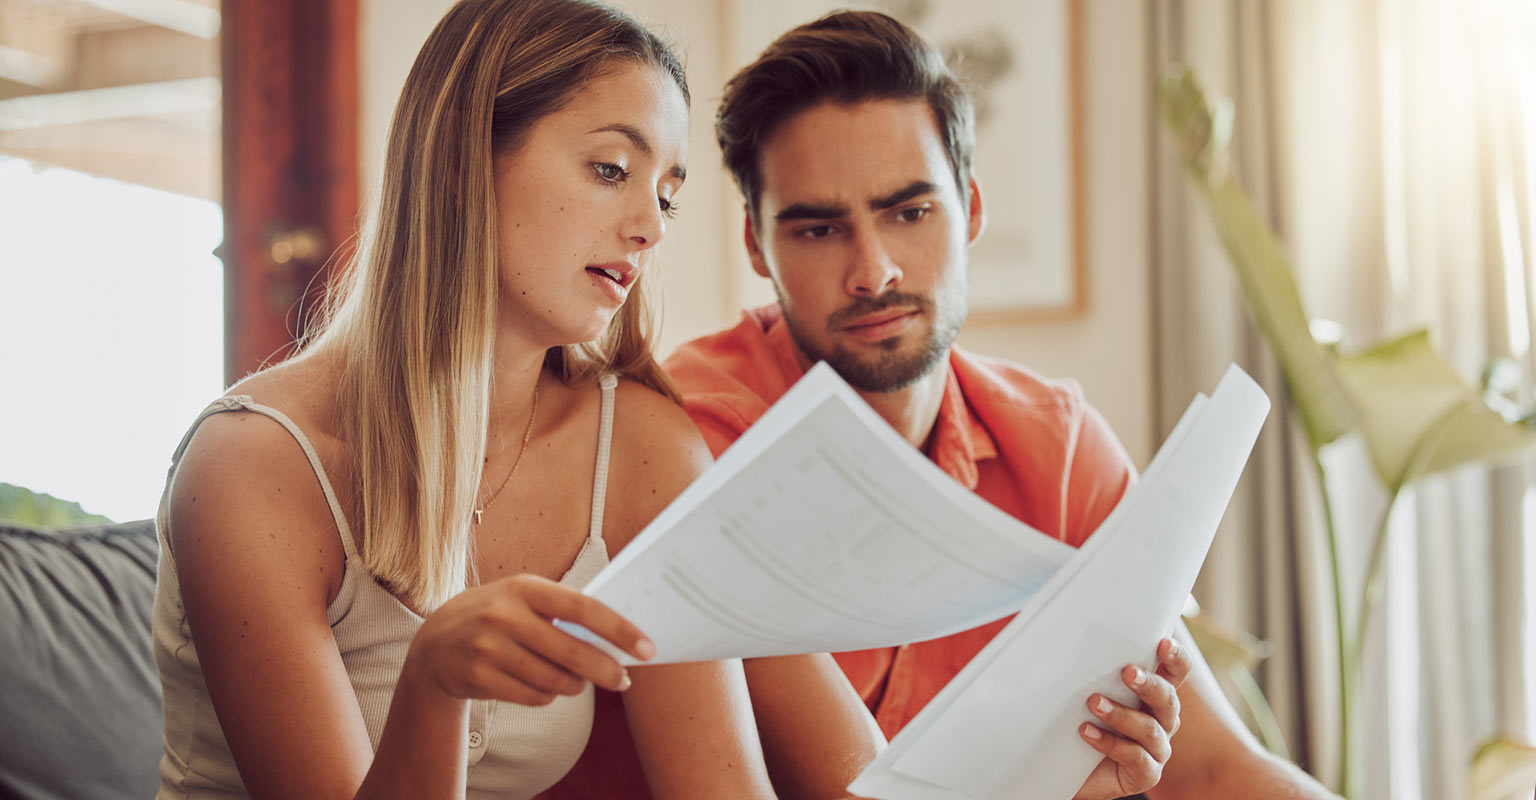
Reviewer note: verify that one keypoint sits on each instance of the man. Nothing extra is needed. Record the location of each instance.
(851, 144)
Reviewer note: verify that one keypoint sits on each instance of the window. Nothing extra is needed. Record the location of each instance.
(111, 297)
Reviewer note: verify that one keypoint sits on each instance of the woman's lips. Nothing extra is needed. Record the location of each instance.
(615, 289)
(621, 272)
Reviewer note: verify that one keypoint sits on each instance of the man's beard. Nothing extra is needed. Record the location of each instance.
(889, 371)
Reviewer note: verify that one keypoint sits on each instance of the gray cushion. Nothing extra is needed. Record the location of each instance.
(79, 694)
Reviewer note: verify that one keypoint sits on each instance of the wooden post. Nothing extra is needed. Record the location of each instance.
(290, 168)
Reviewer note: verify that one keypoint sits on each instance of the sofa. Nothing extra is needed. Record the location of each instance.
(79, 695)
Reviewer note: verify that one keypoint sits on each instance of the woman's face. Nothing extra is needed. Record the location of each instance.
(582, 202)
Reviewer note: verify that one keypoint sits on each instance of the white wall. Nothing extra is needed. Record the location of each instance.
(389, 34)
(1107, 348)
(704, 272)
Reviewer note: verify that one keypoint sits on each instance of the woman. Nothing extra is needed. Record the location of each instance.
(363, 546)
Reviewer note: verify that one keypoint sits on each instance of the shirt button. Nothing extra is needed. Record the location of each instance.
(475, 739)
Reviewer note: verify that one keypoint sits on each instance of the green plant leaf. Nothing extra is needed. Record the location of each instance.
(1503, 768)
(1201, 129)
(1418, 416)
(20, 506)
(1225, 647)
(1415, 413)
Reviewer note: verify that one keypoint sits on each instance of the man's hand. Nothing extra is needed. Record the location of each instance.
(1135, 741)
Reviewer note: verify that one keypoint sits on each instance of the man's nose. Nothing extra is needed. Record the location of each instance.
(872, 272)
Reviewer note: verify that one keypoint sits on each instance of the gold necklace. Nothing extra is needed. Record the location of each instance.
(527, 432)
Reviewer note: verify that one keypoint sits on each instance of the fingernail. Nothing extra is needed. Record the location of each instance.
(646, 649)
(1173, 649)
(623, 681)
(1091, 732)
(1139, 678)
(1102, 705)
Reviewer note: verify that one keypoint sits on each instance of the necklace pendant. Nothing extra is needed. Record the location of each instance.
(478, 512)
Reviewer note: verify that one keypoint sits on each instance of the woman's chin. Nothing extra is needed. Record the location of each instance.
(588, 331)
(557, 328)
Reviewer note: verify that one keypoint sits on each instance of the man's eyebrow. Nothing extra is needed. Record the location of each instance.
(831, 211)
(902, 195)
(642, 144)
(810, 211)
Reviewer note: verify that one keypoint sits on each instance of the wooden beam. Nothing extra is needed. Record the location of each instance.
(183, 16)
(142, 100)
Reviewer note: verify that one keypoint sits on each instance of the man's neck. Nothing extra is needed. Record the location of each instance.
(912, 411)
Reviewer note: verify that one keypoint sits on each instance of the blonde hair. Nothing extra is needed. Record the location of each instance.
(416, 316)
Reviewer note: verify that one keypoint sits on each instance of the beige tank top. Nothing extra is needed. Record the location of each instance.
(515, 751)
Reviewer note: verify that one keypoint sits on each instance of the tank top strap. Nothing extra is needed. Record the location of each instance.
(604, 445)
(242, 402)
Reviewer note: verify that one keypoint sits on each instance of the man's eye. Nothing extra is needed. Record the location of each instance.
(912, 214)
(816, 232)
(610, 173)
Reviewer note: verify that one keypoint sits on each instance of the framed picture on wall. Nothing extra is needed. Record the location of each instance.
(1022, 62)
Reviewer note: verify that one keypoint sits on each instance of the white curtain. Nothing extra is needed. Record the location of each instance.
(1392, 145)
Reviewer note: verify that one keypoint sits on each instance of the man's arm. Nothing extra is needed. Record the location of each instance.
(1214, 755)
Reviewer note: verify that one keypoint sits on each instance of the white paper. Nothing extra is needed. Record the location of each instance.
(1006, 726)
(820, 530)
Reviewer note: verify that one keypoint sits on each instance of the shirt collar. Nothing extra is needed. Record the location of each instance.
(959, 440)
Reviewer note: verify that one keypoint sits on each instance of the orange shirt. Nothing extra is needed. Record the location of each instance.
(1028, 445)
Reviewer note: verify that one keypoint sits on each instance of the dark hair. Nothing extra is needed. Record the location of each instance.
(845, 57)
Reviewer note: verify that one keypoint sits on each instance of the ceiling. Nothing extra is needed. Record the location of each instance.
(125, 89)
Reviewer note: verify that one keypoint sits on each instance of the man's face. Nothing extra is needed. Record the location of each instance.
(864, 234)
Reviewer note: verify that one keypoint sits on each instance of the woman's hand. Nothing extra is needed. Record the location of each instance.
(1135, 741)
(498, 642)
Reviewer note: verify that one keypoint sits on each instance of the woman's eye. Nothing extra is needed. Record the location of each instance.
(610, 173)
(668, 207)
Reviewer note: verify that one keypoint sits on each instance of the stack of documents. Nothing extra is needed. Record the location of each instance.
(822, 530)
(1006, 726)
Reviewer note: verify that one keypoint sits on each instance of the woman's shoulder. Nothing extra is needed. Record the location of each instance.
(250, 441)
(243, 472)
(656, 453)
(302, 389)
(647, 421)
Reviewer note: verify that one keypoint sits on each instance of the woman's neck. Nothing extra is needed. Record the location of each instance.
(514, 374)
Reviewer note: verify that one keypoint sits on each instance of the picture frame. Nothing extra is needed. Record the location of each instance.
(1023, 65)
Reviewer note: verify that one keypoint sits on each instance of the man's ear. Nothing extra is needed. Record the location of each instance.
(754, 252)
(977, 213)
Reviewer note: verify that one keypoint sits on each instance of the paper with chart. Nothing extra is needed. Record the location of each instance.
(1006, 726)
(820, 529)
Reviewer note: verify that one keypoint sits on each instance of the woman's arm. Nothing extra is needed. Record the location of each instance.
(817, 733)
(259, 557)
(692, 724)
